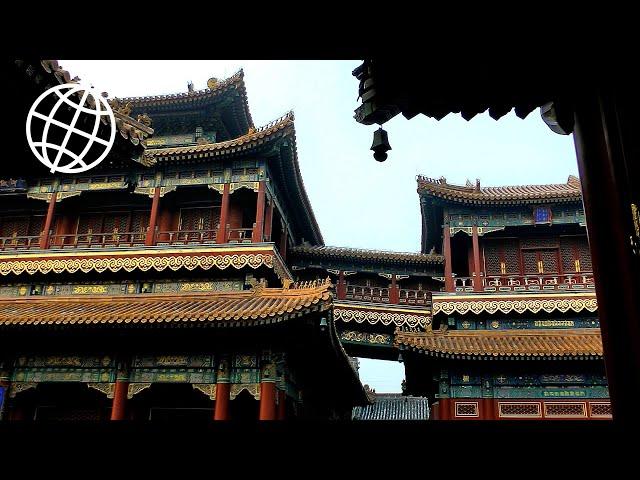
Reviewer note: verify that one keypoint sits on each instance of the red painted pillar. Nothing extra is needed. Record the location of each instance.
(268, 222)
(221, 411)
(394, 293)
(267, 400)
(118, 409)
(448, 269)
(477, 281)
(224, 215)
(487, 409)
(151, 231)
(342, 286)
(444, 409)
(282, 405)
(258, 230)
(44, 238)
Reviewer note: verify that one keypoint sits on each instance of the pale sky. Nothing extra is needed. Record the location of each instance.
(357, 201)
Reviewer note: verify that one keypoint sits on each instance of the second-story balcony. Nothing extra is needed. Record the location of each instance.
(528, 283)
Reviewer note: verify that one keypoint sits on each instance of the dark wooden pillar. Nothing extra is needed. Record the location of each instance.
(448, 269)
(477, 280)
(258, 229)
(283, 243)
(224, 215)
(282, 405)
(268, 221)
(153, 219)
(609, 173)
(44, 238)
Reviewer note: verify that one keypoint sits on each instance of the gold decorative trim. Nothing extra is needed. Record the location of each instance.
(252, 388)
(209, 389)
(364, 337)
(218, 187)
(146, 263)
(386, 318)
(107, 388)
(238, 185)
(136, 388)
(19, 387)
(534, 305)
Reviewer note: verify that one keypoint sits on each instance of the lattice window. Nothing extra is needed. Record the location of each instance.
(89, 224)
(467, 409)
(139, 224)
(530, 261)
(492, 258)
(601, 409)
(568, 254)
(198, 221)
(115, 224)
(565, 409)
(549, 242)
(584, 255)
(521, 410)
(511, 258)
(549, 259)
(15, 227)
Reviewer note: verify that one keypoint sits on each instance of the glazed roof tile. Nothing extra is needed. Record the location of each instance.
(392, 406)
(562, 192)
(236, 308)
(542, 343)
(366, 254)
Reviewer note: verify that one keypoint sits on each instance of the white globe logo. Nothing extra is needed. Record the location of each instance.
(76, 162)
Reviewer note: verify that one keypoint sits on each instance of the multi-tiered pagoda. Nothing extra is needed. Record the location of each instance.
(156, 285)
(515, 332)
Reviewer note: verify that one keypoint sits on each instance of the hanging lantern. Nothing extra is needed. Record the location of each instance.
(380, 145)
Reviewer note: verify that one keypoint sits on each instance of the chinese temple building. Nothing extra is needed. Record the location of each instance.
(515, 332)
(157, 284)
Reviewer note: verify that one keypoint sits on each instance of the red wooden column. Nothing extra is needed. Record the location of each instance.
(444, 409)
(268, 221)
(448, 269)
(268, 391)
(394, 292)
(477, 281)
(258, 229)
(223, 391)
(221, 411)
(342, 286)
(224, 215)
(119, 406)
(44, 238)
(282, 405)
(151, 230)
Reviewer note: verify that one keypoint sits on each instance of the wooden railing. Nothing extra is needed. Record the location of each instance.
(415, 297)
(93, 240)
(185, 237)
(22, 242)
(541, 282)
(367, 294)
(239, 235)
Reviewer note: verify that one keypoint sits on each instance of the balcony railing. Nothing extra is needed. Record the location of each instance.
(97, 240)
(541, 282)
(185, 237)
(367, 294)
(239, 235)
(23, 242)
(415, 297)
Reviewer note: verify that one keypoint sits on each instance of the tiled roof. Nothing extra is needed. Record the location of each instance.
(129, 128)
(365, 254)
(239, 308)
(393, 406)
(487, 344)
(253, 138)
(562, 192)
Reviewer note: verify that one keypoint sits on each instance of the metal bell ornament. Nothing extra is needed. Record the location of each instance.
(380, 145)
